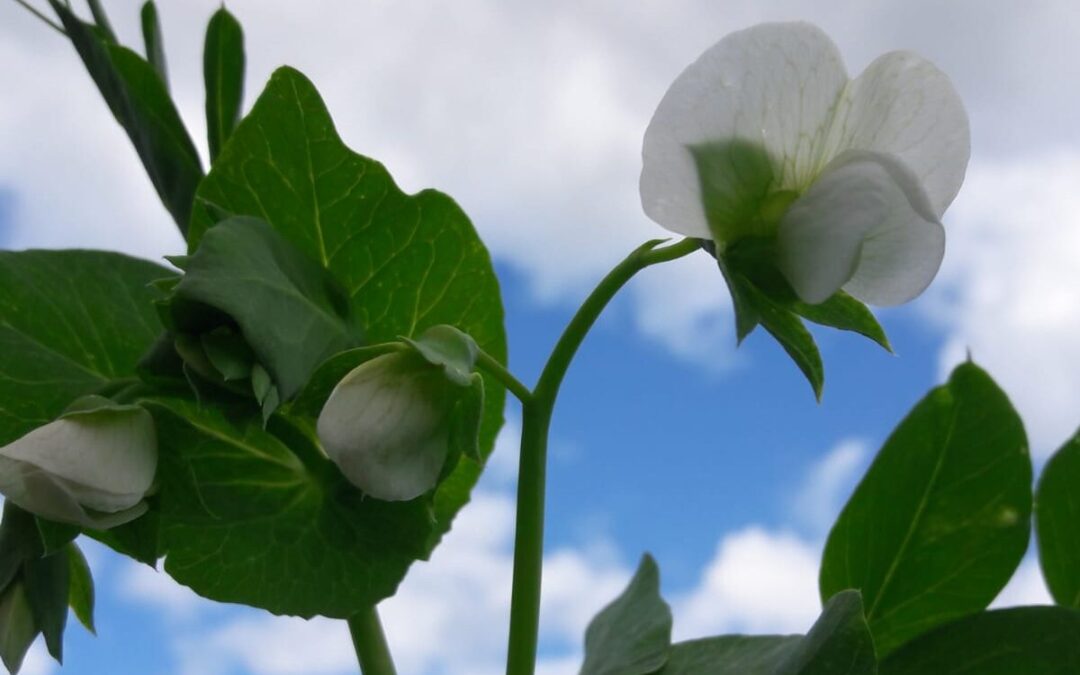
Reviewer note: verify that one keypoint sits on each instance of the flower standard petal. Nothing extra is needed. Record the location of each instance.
(905, 106)
(385, 426)
(865, 226)
(770, 90)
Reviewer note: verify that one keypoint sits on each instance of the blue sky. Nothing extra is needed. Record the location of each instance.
(666, 438)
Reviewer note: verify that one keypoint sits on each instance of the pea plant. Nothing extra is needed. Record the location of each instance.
(292, 412)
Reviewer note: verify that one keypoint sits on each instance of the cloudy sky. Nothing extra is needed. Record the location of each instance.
(531, 116)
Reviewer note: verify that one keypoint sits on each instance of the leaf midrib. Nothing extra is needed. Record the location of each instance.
(917, 518)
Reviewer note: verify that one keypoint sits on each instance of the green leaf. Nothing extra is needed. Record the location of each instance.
(17, 628)
(19, 541)
(839, 643)
(406, 262)
(47, 587)
(138, 539)
(101, 19)
(229, 354)
(81, 595)
(56, 536)
(289, 308)
(71, 322)
(140, 102)
(153, 41)
(942, 518)
(1057, 523)
(261, 517)
(223, 72)
(632, 635)
(789, 331)
(845, 313)
(1015, 641)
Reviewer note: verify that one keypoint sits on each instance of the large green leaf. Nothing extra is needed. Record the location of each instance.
(223, 73)
(1016, 641)
(407, 262)
(139, 99)
(632, 635)
(942, 518)
(262, 519)
(1057, 523)
(839, 643)
(71, 322)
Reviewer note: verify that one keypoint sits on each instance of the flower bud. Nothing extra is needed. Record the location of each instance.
(91, 467)
(397, 423)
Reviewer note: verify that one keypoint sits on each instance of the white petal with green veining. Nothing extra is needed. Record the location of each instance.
(905, 106)
(867, 226)
(385, 426)
(773, 85)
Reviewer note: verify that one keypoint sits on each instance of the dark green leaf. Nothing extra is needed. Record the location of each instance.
(267, 520)
(730, 655)
(632, 635)
(81, 596)
(846, 313)
(1016, 641)
(839, 643)
(223, 72)
(942, 518)
(19, 541)
(289, 308)
(140, 102)
(56, 536)
(17, 629)
(790, 332)
(48, 582)
(1057, 523)
(138, 539)
(153, 41)
(71, 322)
(407, 262)
(229, 354)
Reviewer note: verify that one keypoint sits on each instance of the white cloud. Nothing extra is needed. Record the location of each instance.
(140, 583)
(760, 581)
(827, 484)
(1009, 293)
(38, 661)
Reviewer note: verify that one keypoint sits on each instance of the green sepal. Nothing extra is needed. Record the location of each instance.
(452, 350)
(17, 627)
(465, 419)
(56, 536)
(20, 540)
(223, 73)
(81, 595)
(48, 582)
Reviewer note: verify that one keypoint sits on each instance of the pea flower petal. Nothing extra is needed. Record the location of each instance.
(765, 135)
(91, 467)
(386, 426)
(866, 226)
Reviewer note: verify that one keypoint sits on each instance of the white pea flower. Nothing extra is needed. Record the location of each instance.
(766, 136)
(91, 467)
(395, 423)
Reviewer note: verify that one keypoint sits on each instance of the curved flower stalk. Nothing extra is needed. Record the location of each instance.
(766, 137)
(91, 467)
(396, 424)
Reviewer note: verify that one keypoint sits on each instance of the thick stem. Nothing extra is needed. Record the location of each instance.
(369, 640)
(536, 421)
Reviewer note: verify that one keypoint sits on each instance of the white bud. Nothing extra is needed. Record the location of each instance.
(91, 467)
(387, 426)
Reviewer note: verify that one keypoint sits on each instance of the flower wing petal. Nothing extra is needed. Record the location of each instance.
(905, 106)
(866, 226)
(772, 86)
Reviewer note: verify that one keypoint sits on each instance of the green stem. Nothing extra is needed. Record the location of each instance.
(369, 640)
(497, 370)
(536, 421)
